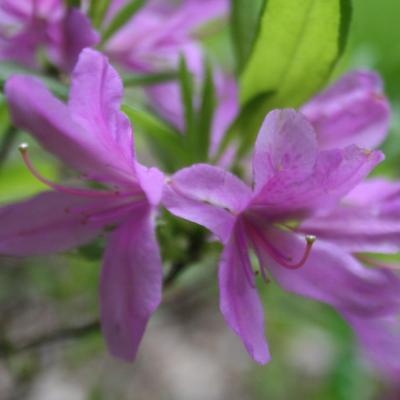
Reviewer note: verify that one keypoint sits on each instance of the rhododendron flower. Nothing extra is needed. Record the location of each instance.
(368, 220)
(380, 340)
(155, 39)
(353, 110)
(294, 180)
(93, 136)
(28, 25)
(160, 32)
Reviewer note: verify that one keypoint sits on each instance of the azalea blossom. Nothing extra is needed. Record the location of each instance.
(156, 36)
(92, 135)
(294, 182)
(368, 220)
(354, 110)
(26, 26)
(155, 39)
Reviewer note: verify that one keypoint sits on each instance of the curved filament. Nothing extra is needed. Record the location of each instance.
(244, 257)
(280, 258)
(23, 149)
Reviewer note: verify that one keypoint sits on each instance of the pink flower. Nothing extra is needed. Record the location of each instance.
(154, 40)
(294, 182)
(91, 134)
(160, 32)
(353, 110)
(28, 25)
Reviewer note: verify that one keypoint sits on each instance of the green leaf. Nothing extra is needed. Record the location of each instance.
(73, 3)
(98, 10)
(239, 125)
(122, 17)
(205, 115)
(166, 141)
(244, 24)
(298, 43)
(150, 79)
(8, 68)
(187, 95)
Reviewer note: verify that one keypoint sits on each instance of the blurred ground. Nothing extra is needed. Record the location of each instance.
(188, 353)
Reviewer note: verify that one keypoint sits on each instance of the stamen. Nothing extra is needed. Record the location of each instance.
(23, 149)
(264, 274)
(244, 258)
(280, 258)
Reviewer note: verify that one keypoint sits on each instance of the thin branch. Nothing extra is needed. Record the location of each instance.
(9, 349)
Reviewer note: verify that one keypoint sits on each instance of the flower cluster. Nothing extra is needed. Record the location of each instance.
(309, 213)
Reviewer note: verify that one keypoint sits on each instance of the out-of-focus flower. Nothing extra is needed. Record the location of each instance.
(160, 32)
(353, 110)
(26, 26)
(155, 39)
(379, 338)
(368, 221)
(92, 135)
(294, 181)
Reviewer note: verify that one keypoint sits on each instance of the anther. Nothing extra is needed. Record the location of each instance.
(23, 148)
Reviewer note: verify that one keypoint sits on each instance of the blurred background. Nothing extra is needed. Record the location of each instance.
(51, 347)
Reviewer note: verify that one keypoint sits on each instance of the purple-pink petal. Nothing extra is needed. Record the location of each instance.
(286, 149)
(69, 37)
(366, 220)
(99, 148)
(94, 103)
(131, 284)
(334, 174)
(379, 338)
(239, 300)
(353, 110)
(331, 275)
(208, 196)
(53, 222)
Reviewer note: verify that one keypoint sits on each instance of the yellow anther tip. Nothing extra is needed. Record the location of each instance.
(310, 239)
(23, 147)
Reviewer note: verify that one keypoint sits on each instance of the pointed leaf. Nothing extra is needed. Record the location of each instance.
(186, 86)
(206, 114)
(149, 79)
(297, 45)
(124, 15)
(245, 22)
(166, 141)
(98, 10)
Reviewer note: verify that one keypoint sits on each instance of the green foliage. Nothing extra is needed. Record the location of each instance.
(198, 120)
(245, 21)
(98, 10)
(294, 52)
(372, 40)
(73, 3)
(7, 69)
(124, 15)
(187, 96)
(149, 79)
(205, 116)
(167, 142)
(297, 45)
